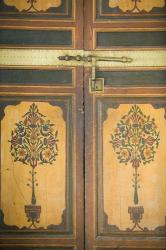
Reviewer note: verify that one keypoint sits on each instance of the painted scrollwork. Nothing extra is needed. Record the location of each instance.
(136, 6)
(33, 5)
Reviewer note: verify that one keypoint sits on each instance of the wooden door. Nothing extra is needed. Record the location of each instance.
(125, 127)
(41, 113)
(58, 132)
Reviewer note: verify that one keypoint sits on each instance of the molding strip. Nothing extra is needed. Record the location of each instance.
(46, 57)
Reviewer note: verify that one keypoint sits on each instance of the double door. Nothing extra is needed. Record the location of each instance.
(83, 116)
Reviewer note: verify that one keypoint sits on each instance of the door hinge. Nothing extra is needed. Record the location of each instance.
(96, 85)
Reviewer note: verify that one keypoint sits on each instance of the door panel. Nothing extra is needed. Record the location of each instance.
(44, 187)
(124, 145)
(25, 156)
(125, 175)
(118, 175)
(41, 110)
(113, 140)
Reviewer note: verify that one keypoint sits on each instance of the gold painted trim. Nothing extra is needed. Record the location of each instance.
(74, 163)
(158, 68)
(40, 245)
(130, 29)
(36, 28)
(19, 94)
(37, 86)
(48, 59)
(94, 179)
(131, 95)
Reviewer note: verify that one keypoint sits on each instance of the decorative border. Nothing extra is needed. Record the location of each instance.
(66, 226)
(101, 219)
(40, 247)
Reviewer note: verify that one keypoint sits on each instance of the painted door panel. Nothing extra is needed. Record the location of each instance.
(74, 161)
(125, 172)
(42, 202)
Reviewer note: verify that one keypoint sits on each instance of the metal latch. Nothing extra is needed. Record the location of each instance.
(95, 84)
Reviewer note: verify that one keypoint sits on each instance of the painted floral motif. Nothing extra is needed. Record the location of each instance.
(34, 142)
(135, 141)
(136, 6)
(136, 138)
(33, 5)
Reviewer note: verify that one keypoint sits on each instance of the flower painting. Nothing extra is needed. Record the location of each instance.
(34, 142)
(135, 141)
(136, 138)
(132, 165)
(34, 167)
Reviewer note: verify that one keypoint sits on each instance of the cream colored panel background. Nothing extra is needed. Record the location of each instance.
(31, 57)
(117, 178)
(50, 192)
(39, 4)
(146, 5)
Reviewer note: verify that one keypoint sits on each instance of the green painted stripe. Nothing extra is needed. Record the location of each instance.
(36, 37)
(37, 77)
(133, 78)
(133, 39)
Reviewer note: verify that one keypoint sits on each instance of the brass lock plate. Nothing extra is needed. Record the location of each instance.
(96, 85)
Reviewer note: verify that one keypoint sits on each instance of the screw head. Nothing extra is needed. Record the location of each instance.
(78, 58)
